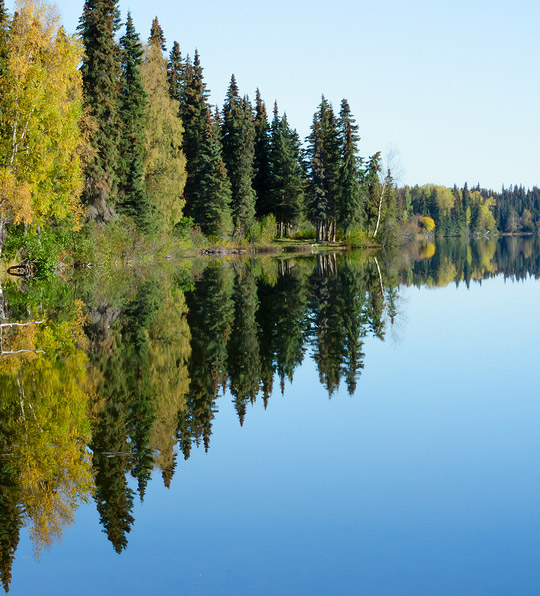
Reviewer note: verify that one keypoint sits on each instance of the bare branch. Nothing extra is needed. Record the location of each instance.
(2, 325)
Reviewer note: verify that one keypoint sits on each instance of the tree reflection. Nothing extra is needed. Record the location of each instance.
(103, 393)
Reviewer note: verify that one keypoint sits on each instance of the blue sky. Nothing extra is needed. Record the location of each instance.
(451, 87)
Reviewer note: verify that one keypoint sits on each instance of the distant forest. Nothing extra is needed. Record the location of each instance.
(100, 127)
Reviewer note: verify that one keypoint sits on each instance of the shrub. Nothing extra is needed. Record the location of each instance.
(426, 224)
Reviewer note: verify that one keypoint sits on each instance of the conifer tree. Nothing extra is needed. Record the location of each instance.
(193, 112)
(133, 104)
(380, 203)
(350, 190)
(261, 164)
(211, 204)
(100, 72)
(243, 348)
(286, 183)
(156, 35)
(238, 135)
(324, 165)
(175, 71)
(164, 162)
(3, 38)
(373, 188)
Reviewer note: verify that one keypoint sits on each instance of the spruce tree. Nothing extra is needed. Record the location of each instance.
(3, 37)
(194, 109)
(211, 205)
(374, 190)
(100, 73)
(244, 363)
(238, 136)
(350, 189)
(133, 103)
(175, 71)
(324, 166)
(286, 182)
(261, 164)
(156, 35)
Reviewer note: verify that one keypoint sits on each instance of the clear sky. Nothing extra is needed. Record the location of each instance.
(451, 87)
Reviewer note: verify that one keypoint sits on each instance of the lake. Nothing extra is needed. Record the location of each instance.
(340, 423)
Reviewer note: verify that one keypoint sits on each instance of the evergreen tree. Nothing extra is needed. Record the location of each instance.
(157, 36)
(175, 70)
(324, 167)
(261, 164)
(11, 511)
(374, 191)
(243, 347)
(350, 190)
(286, 181)
(210, 317)
(211, 205)
(3, 38)
(238, 135)
(133, 104)
(193, 112)
(164, 163)
(100, 73)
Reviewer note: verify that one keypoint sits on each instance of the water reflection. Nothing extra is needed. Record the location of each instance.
(116, 381)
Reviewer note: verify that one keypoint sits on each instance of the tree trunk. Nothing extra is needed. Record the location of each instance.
(2, 233)
(380, 210)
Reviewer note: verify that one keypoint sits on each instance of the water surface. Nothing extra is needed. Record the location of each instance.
(332, 424)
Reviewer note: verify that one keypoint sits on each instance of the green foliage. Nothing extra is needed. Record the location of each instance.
(265, 231)
(304, 234)
(238, 134)
(133, 104)
(194, 112)
(175, 70)
(261, 163)
(183, 227)
(357, 238)
(211, 203)
(286, 174)
(350, 190)
(47, 251)
(100, 72)
(323, 166)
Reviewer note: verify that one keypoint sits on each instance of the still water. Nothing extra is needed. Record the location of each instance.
(332, 424)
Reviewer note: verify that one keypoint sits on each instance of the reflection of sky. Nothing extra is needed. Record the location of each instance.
(427, 481)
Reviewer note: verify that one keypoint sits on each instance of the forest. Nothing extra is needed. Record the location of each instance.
(100, 131)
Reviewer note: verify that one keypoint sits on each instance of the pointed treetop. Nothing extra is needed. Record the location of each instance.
(156, 35)
(233, 88)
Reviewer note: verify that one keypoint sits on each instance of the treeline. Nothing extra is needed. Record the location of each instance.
(460, 260)
(476, 211)
(98, 126)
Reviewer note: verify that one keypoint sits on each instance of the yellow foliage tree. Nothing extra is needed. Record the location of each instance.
(164, 162)
(44, 405)
(170, 351)
(40, 108)
(426, 224)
